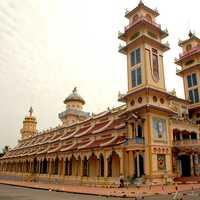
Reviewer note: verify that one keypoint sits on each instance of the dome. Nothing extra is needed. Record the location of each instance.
(74, 96)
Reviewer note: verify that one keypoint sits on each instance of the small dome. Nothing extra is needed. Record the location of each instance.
(74, 96)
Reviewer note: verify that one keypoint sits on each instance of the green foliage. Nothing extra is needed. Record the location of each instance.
(135, 35)
(153, 35)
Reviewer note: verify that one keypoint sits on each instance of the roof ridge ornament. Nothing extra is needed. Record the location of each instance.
(190, 33)
(31, 111)
(141, 2)
(75, 90)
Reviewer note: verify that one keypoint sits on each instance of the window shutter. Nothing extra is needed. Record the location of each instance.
(191, 96)
(133, 58)
(196, 96)
(139, 76)
(133, 74)
(189, 79)
(194, 79)
(138, 58)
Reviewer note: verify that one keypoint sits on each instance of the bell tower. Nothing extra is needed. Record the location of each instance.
(29, 126)
(189, 62)
(148, 102)
(74, 109)
(144, 49)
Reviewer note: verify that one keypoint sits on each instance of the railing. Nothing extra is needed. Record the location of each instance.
(177, 70)
(69, 110)
(142, 19)
(189, 142)
(190, 52)
(135, 140)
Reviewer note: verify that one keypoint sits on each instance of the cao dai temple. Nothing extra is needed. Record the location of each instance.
(154, 136)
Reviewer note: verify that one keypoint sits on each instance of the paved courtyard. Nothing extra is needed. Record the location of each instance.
(8, 192)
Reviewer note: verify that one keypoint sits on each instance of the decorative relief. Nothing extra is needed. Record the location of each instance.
(161, 161)
(160, 150)
(159, 129)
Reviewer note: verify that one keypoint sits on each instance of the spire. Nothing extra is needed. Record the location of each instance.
(190, 34)
(141, 2)
(75, 90)
(31, 111)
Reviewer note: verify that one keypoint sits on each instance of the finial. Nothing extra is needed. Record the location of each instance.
(190, 34)
(141, 2)
(174, 92)
(31, 111)
(119, 95)
(75, 90)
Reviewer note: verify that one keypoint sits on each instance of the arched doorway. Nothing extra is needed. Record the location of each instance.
(56, 166)
(93, 166)
(185, 165)
(45, 166)
(101, 165)
(139, 166)
(35, 165)
(114, 165)
(85, 167)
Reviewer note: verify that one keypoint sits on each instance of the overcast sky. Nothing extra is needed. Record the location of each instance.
(49, 46)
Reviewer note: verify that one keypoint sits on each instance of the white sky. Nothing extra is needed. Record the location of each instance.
(49, 46)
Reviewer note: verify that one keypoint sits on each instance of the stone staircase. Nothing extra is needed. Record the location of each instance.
(190, 179)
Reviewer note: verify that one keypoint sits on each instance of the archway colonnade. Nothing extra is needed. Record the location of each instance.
(88, 165)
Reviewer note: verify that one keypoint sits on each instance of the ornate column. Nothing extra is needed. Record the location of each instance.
(196, 168)
(138, 164)
(105, 166)
(121, 157)
(192, 165)
(63, 169)
(81, 167)
(131, 163)
(49, 167)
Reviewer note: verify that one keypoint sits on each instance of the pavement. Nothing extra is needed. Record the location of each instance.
(8, 192)
(106, 192)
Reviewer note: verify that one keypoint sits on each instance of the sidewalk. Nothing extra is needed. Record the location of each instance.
(118, 192)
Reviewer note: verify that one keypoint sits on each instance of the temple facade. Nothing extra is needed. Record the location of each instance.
(154, 137)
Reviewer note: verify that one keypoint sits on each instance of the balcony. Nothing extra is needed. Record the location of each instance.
(187, 143)
(135, 141)
(142, 19)
(190, 52)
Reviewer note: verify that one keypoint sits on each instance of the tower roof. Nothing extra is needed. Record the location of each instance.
(141, 5)
(74, 96)
(192, 36)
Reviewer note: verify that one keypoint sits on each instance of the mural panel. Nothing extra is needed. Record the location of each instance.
(159, 129)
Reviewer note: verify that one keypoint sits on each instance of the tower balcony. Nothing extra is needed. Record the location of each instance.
(188, 143)
(142, 20)
(139, 20)
(187, 54)
(144, 37)
(135, 143)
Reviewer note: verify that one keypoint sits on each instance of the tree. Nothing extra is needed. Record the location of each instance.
(4, 150)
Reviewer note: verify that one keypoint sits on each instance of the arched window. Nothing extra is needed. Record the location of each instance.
(148, 17)
(135, 18)
(188, 47)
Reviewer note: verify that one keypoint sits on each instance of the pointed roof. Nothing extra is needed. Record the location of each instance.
(192, 36)
(74, 96)
(141, 5)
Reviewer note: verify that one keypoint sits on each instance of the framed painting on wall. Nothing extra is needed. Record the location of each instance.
(159, 129)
